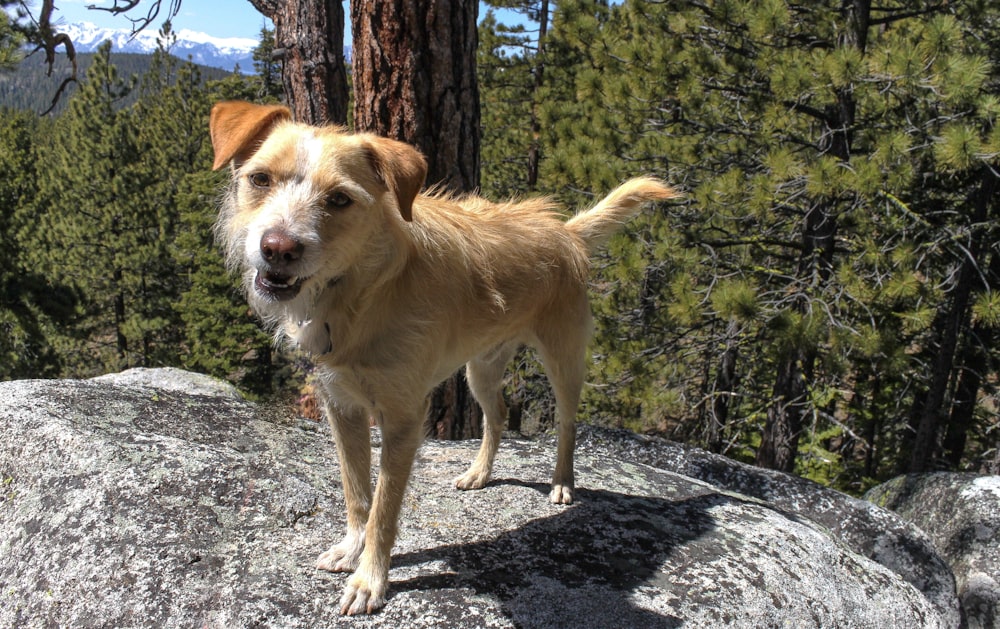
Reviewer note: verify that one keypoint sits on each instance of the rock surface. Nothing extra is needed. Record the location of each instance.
(129, 506)
(961, 513)
(172, 379)
(866, 529)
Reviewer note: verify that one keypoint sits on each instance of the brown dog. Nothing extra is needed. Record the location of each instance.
(392, 291)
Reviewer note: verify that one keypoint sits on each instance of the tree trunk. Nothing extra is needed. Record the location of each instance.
(779, 443)
(872, 424)
(723, 390)
(928, 419)
(447, 399)
(534, 151)
(414, 71)
(121, 341)
(415, 80)
(950, 328)
(975, 365)
(309, 41)
(973, 360)
(789, 397)
(789, 405)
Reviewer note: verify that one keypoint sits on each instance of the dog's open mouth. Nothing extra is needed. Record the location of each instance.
(277, 286)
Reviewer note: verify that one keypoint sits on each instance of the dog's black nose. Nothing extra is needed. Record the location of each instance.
(279, 248)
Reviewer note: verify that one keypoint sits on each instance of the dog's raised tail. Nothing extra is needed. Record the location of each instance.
(596, 225)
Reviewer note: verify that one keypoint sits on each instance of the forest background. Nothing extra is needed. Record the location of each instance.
(824, 300)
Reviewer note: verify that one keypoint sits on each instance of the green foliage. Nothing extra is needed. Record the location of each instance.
(828, 178)
(107, 217)
(88, 216)
(832, 265)
(735, 299)
(27, 304)
(986, 309)
(505, 95)
(219, 335)
(267, 69)
(10, 41)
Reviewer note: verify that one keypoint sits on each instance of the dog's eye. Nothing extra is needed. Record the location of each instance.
(338, 200)
(260, 180)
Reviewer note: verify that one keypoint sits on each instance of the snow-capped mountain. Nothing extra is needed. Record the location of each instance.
(216, 52)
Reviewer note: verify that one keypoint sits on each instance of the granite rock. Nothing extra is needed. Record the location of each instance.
(961, 514)
(128, 505)
(866, 529)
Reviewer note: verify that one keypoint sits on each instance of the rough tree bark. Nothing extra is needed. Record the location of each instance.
(309, 41)
(415, 80)
(414, 71)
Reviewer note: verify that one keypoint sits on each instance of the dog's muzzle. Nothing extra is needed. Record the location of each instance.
(277, 286)
(281, 251)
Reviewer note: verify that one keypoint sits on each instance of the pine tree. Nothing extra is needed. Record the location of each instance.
(10, 40)
(266, 67)
(504, 77)
(28, 303)
(220, 335)
(202, 312)
(511, 64)
(94, 235)
(823, 182)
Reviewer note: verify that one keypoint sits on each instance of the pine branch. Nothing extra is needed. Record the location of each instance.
(896, 14)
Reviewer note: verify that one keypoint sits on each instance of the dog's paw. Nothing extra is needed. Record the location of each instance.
(561, 494)
(362, 596)
(473, 479)
(342, 557)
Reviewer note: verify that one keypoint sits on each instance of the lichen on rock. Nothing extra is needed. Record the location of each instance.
(133, 505)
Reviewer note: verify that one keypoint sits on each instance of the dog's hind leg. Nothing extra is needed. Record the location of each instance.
(485, 376)
(353, 442)
(562, 346)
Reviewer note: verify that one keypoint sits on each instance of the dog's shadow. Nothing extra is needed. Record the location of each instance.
(579, 568)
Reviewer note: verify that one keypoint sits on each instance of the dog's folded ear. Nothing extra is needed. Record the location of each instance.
(238, 128)
(401, 168)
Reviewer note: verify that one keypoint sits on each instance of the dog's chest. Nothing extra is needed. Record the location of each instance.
(312, 336)
(344, 341)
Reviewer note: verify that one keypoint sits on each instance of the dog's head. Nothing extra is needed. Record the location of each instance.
(306, 204)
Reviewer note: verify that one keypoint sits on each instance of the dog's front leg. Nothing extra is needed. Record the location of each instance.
(353, 441)
(366, 590)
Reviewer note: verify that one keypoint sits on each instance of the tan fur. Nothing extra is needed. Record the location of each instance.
(392, 291)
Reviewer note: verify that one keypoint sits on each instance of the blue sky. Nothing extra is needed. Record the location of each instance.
(218, 18)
